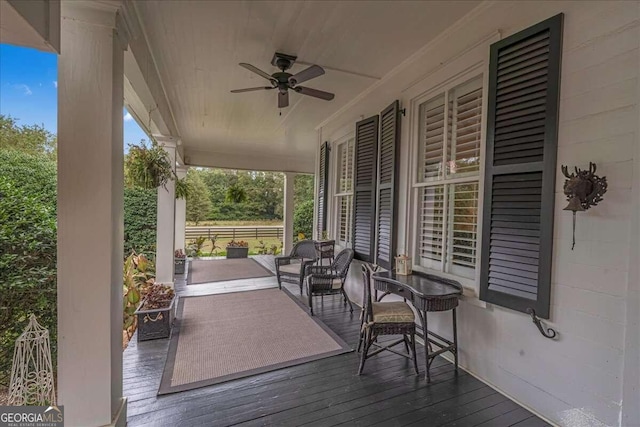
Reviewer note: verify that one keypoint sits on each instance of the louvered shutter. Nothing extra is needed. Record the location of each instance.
(364, 192)
(323, 178)
(522, 120)
(387, 202)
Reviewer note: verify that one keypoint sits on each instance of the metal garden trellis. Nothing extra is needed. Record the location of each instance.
(32, 371)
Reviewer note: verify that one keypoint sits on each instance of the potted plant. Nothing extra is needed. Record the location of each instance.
(156, 312)
(179, 261)
(237, 249)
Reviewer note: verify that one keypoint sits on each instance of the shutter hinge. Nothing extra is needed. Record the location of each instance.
(403, 111)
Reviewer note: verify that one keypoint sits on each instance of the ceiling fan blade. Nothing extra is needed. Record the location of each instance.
(306, 74)
(283, 99)
(256, 70)
(251, 89)
(315, 93)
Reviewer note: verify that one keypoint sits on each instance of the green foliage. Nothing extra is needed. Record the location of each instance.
(236, 194)
(302, 188)
(198, 200)
(137, 277)
(27, 249)
(32, 139)
(182, 188)
(147, 166)
(140, 213)
(303, 218)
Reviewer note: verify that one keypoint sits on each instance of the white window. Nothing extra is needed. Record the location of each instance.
(446, 186)
(344, 192)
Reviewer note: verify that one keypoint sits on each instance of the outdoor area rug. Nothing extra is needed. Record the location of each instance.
(220, 270)
(223, 337)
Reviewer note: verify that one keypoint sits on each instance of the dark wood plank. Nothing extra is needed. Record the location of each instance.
(325, 392)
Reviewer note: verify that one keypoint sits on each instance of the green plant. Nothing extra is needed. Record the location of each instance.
(137, 276)
(148, 166)
(157, 296)
(183, 188)
(238, 244)
(214, 247)
(195, 248)
(261, 248)
(303, 219)
(27, 249)
(140, 213)
(179, 253)
(236, 194)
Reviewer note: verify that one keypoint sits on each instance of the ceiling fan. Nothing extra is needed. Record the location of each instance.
(284, 81)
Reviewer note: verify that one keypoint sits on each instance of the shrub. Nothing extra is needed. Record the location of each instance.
(27, 249)
(303, 218)
(140, 213)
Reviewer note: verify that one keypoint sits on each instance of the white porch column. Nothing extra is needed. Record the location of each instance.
(287, 238)
(90, 214)
(166, 224)
(181, 215)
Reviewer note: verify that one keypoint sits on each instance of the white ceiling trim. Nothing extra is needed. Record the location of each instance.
(459, 25)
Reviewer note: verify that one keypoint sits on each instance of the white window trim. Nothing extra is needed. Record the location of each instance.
(336, 195)
(479, 70)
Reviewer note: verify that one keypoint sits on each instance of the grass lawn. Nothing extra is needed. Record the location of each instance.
(253, 243)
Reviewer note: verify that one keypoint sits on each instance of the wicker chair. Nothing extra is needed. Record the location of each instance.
(329, 280)
(290, 268)
(385, 318)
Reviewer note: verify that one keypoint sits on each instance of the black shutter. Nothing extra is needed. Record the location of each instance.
(387, 202)
(323, 183)
(364, 191)
(522, 124)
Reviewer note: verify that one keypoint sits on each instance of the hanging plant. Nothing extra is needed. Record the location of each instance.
(236, 194)
(183, 189)
(148, 166)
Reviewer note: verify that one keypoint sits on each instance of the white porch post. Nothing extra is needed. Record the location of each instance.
(181, 215)
(287, 238)
(90, 214)
(166, 224)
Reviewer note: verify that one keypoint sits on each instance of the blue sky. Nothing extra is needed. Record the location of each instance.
(29, 93)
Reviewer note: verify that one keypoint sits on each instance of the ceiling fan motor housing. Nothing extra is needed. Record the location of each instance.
(283, 61)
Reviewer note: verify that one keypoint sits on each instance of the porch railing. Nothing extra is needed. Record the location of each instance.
(236, 232)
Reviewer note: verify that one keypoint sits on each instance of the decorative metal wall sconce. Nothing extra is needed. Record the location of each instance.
(583, 189)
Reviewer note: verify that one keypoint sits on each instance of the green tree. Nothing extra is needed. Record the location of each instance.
(303, 219)
(140, 217)
(32, 139)
(303, 188)
(27, 248)
(198, 200)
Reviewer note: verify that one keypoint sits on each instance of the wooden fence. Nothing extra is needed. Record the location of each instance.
(237, 233)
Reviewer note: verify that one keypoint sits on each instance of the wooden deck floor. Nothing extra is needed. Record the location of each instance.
(322, 393)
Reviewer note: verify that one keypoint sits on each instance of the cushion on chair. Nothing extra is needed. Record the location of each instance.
(293, 268)
(336, 283)
(392, 312)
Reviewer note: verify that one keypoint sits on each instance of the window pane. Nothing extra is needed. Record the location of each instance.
(462, 222)
(464, 130)
(431, 139)
(344, 226)
(345, 162)
(430, 216)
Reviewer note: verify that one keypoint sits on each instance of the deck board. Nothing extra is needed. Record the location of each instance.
(325, 392)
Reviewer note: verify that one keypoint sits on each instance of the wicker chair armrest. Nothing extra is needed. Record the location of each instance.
(324, 270)
(284, 260)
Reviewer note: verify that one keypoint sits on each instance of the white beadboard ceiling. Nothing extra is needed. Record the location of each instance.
(197, 46)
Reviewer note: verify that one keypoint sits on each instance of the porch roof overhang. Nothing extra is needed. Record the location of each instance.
(183, 62)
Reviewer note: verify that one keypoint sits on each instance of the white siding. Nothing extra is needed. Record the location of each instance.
(591, 371)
